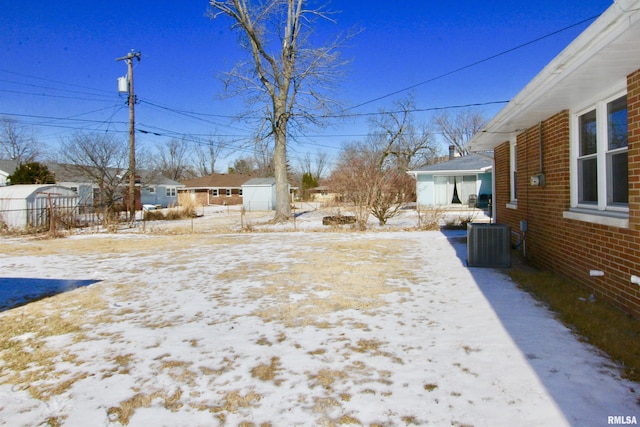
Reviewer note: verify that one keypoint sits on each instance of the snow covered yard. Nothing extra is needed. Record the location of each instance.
(289, 328)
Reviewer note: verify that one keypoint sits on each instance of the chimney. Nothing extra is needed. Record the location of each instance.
(452, 152)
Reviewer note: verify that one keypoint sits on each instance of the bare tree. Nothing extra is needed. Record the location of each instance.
(459, 130)
(372, 175)
(17, 142)
(173, 159)
(369, 183)
(400, 139)
(354, 178)
(102, 159)
(284, 73)
(243, 165)
(263, 158)
(207, 154)
(316, 166)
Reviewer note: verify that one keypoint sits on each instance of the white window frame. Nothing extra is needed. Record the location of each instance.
(601, 212)
(228, 192)
(214, 192)
(171, 192)
(513, 168)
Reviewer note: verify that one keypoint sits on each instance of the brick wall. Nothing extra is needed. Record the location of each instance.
(572, 248)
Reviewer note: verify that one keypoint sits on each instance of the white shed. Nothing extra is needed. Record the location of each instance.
(24, 206)
(259, 194)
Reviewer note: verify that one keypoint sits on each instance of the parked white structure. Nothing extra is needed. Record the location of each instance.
(259, 194)
(25, 206)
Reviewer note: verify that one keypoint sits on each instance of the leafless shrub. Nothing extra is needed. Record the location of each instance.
(430, 219)
(461, 221)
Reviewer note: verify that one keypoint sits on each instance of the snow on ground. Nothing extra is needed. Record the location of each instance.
(281, 328)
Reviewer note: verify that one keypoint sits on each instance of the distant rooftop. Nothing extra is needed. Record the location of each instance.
(476, 163)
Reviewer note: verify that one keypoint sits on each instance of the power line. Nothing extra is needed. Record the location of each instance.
(55, 81)
(473, 64)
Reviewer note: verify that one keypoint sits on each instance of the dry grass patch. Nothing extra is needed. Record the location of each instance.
(128, 407)
(227, 365)
(598, 323)
(112, 245)
(28, 361)
(373, 347)
(179, 371)
(268, 372)
(430, 387)
(355, 276)
(364, 346)
(234, 400)
(324, 404)
(55, 421)
(326, 378)
(121, 362)
(348, 419)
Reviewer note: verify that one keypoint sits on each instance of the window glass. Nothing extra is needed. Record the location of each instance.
(588, 170)
(619, 179)
(588, 140)
(617, 123)
(515, 173)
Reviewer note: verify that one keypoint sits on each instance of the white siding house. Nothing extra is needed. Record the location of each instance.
(465, 181)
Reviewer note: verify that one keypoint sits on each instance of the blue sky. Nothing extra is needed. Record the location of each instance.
(58, 70)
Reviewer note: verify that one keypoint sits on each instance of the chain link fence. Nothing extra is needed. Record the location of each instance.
(44, 218)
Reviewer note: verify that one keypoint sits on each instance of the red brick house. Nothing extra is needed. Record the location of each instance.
(567, 160)
(214, 189)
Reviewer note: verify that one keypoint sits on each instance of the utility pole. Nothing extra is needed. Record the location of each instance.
(132, 134)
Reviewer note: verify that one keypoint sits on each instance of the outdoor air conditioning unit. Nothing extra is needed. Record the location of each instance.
(488, 245)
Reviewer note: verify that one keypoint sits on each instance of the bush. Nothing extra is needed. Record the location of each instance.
(171, 214)
(430, 219)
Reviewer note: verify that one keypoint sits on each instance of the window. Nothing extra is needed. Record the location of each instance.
(513, 160)
(214, 192)
(228, 192)
(588, 158)
(152, 190)
(617, 156)
(171, 191)
(601, 169)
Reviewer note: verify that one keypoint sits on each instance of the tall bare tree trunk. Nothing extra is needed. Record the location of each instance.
(283, 207)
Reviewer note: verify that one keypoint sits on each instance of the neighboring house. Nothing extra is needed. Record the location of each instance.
(152, 187)
(323, 194)
(460, 181)
(7, 167)
(259, 194)
(26, 206)
(567, 160)
(158, 190)
(215, 189)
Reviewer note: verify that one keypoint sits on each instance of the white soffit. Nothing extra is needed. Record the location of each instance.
(596, 63)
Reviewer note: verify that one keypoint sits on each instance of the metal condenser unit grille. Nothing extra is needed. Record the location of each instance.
(488, 245)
